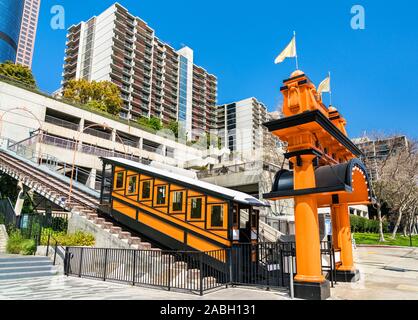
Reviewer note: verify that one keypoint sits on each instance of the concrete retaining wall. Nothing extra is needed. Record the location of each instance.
(104, 239)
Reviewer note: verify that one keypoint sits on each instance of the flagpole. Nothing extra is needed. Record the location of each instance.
(297, 61)
(330, 89)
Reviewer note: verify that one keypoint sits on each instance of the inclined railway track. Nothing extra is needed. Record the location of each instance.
(57, 186)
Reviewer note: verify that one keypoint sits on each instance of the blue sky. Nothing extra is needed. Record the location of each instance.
(374, 70)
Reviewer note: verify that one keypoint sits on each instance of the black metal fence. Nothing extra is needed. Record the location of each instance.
(268, 265)
(263, 264)
(192, 271)
(328, 261)
(31, 225)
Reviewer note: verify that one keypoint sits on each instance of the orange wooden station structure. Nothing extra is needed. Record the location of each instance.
(324, 172)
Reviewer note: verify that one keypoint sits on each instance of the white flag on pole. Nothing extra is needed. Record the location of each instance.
(325, 86)
(289, 52)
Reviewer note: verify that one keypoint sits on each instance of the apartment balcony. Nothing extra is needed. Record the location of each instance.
(148, 50)
(144, 97)
(169, 115)
(69, 74)
(71, 50)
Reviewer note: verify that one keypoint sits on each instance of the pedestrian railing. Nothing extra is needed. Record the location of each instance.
(270, 265)
(183, 270)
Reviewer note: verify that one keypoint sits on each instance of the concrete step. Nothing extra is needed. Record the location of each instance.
(25, 269)
(115, 230)
(18, 264)
(34, 274)
(209, 281)
(92, 216)
(107, 225)
(134, 240)
(193, 274)
(12, 258)
(145, 246)
(124, 235)
(99, 221)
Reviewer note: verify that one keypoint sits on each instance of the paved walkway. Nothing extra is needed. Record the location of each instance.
(72, 288)
(386, 273)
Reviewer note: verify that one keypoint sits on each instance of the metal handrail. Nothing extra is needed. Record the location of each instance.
(62, 123)
(56, 246)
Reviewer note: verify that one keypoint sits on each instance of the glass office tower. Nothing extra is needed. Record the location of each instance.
(10, 22)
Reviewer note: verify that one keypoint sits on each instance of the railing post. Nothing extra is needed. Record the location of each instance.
(281, 264)
(169, 272)
(55, 253)
(47, 245)
(105, 265)
(81, 262)
(229, 266)
(66, 262)
(201, 272)
(134, 268)
(292, 295)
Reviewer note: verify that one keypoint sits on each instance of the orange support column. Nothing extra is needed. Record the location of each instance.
(309, 281)
(335, 227)
(346, 272)
(308, 256)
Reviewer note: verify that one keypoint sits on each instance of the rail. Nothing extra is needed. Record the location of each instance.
(238, 168)
(58, 250)
(271, 265)
(267, 232)
(98, 134)
(62, 123)
(196, 272)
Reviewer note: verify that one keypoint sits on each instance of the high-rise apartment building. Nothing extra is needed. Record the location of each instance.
(10, 22)
(28, 32)
(377, 150)
(154, 78)
(240, 125)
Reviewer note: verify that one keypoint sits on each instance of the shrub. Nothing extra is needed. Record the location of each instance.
(14, 244)
(28, 247)
(78, 239)
(363, 225)
(19, 245)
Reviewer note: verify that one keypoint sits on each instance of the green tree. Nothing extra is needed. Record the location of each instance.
(101, 95)
(18, 72)
(174, 127)
(153, 123)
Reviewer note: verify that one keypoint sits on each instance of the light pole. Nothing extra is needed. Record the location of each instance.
(104, 126)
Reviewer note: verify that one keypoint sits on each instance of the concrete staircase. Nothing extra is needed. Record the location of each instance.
(13, 267)
(130, 240)
(267, 233)
(3, 239)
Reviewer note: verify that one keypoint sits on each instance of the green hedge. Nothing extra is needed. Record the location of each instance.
(363, 225)
(78, 239)
(17, 244)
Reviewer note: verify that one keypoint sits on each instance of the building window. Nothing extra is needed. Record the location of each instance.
(146, 190)
(132, 185)
(120, 180)
(196, 205)
(161, 195)
(217, 216)
(177, 201)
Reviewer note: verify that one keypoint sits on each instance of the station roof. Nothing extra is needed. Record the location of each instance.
(188, 182)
